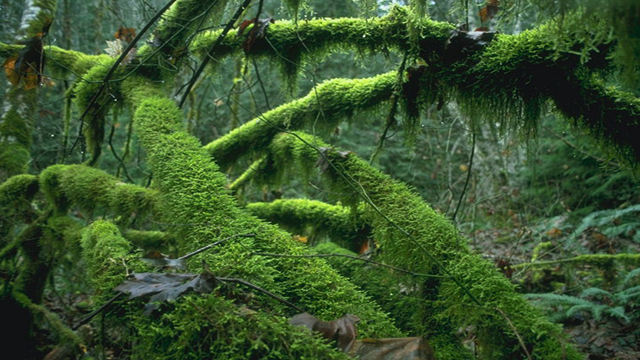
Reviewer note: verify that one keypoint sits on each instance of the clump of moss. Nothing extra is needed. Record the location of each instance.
(314, 219)
(88, 188)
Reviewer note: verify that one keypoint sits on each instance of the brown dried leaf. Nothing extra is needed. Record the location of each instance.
(26, 66)
(343, 330)
(125, 34)
(257, 32)
(490, 10)
(411, 348)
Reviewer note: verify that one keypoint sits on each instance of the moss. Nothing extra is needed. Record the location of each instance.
(609, 116)
(217, 326)
(290, 44)
(94, 109)
(314, 219)
(331, 101)
(174, 32)
(15, 131)
(109, 257)
(88, 188)
(15, 201)
(40, 14)
(150, 240)
(444, 252)
(201, 210)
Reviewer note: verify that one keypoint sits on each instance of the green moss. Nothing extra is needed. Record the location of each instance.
(290, 44)
(331, 101)
(217, 326)
(150, 240)
(15, 201)
(314, 219)
(89, 188)
(15, 131)
(444, 253)
(41, 13)
(201, 210)
(109, 257)
(94, 109)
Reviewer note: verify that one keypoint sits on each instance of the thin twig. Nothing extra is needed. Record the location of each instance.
(266, 292)
(211, 51)
(466, 182)
(97, 311)
(515, 331)
(351, 257)
(196, 252)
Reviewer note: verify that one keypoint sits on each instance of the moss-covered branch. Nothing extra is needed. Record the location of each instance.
(315, 218)
(290, 43)
(396, 207)
(323, 107)
(89, 188)
(508, 80)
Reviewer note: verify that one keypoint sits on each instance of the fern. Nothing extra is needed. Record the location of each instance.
(596, 302)
(612, 222)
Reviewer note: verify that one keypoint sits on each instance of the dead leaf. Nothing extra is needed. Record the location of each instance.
(342, 330)
(161, 260)
(490, 10)
(257, 32)
(300, 238)
(26, 66)
(410, 348)
(125, 34)
(165, 287)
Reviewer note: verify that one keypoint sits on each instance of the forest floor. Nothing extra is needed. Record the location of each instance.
(607, 338)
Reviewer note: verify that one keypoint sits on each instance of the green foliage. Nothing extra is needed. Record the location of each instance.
(613, 223)
(567, 172)
(620, 303)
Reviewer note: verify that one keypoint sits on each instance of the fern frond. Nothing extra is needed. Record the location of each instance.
(618, 312)
(630, 275)
(594, 292)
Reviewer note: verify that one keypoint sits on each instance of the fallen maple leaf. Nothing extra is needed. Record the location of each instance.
(116, 47)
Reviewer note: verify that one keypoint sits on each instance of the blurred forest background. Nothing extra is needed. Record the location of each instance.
(548, 198)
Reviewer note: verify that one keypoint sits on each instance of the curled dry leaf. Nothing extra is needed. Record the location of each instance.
(342, 330)
(411, 348)
(27, 65)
